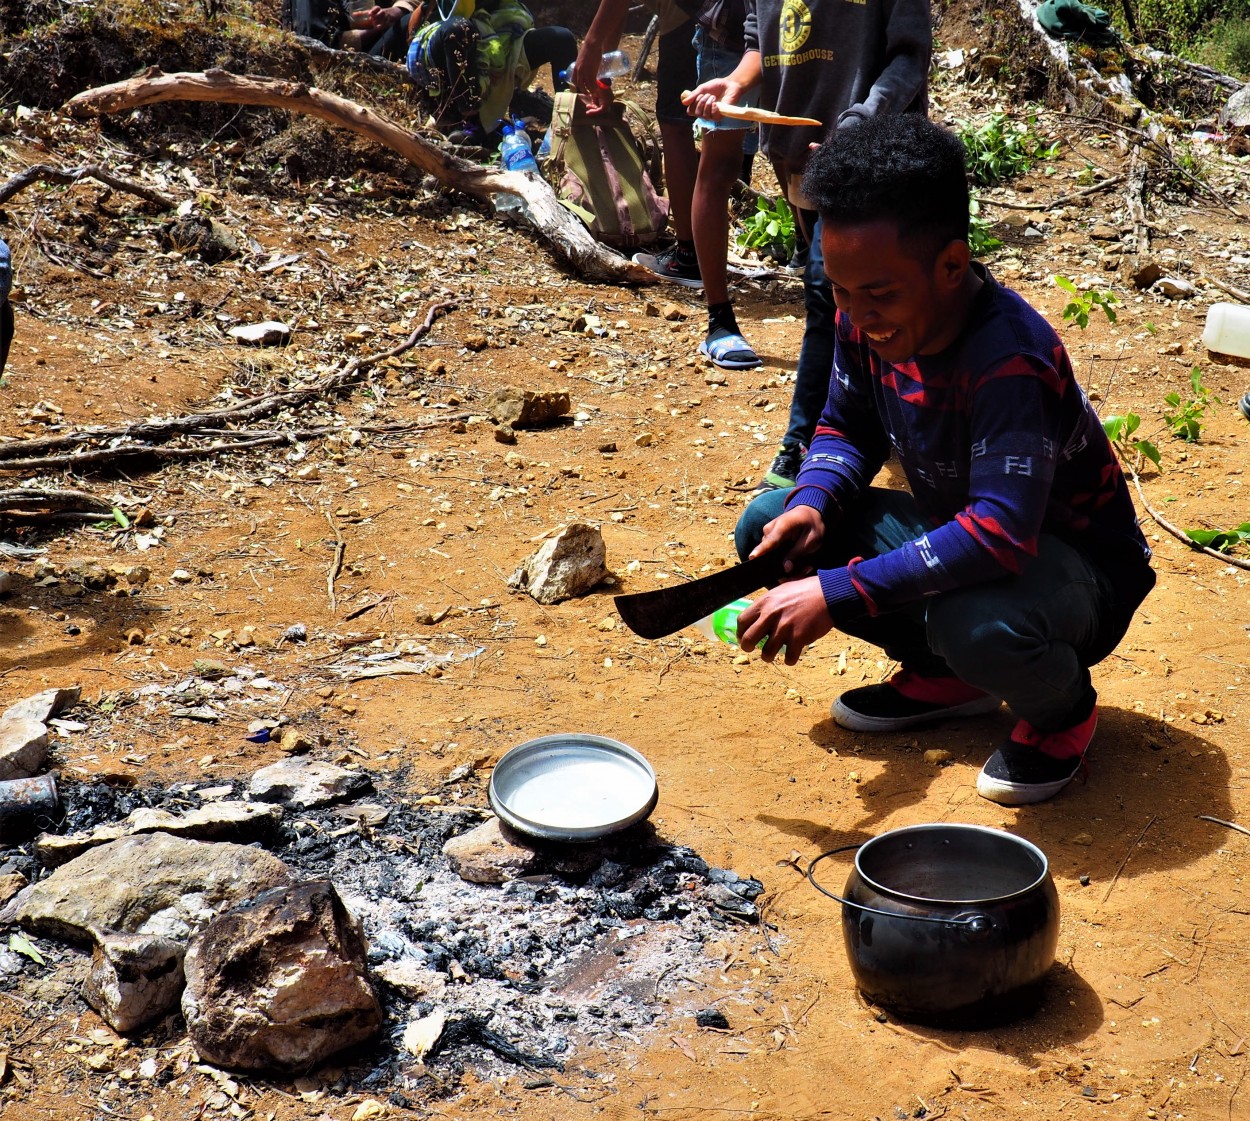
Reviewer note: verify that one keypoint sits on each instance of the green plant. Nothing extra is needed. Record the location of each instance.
(1120, 430)
(1221, 540)
(1226, 46)
(771, 226)
(1000, 149)
(980, 240)
(1083, 302)
(1185, 421)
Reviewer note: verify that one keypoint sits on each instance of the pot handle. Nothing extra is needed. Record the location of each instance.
(977, 925)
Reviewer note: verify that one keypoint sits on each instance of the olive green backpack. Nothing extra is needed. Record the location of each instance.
(605, 167)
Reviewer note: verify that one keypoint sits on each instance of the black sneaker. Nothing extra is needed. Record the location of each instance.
(670, 264)
(783, 472)
(1244, 406)
(797, 265)
(908, 700)
(1027, 770)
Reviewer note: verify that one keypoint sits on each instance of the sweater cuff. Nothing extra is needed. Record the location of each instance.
(817, 498)
(841, 597)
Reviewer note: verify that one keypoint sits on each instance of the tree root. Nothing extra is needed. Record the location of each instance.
(42, 172)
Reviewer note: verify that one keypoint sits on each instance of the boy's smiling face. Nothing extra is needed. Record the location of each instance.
(903, 305)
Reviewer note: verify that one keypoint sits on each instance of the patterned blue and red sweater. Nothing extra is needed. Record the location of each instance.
(998, 443)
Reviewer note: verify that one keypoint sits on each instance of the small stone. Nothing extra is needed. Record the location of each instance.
(43, 706)
(23, 747)
(306, 783)
(936, 757)
(134, 978)
(10, 884)
(673, 312)
(1174, 287)
(181, 576)
(6, 582)
(527, 408)
(505, 434)
(569, 564)
(1084, 879)
(644, 440)
(716, 376)
(268, 333)
(135, 637)
(711, 1018)
(1103, 232)
(1083, 839)
(608, 448)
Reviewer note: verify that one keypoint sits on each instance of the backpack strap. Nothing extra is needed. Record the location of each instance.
(562, 110)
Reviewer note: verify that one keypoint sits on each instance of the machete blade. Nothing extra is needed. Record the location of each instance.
(667, 610)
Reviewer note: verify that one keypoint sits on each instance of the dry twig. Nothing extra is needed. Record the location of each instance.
(43, 172)
(1116, 878)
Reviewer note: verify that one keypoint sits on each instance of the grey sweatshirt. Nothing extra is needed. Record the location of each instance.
(837, 61)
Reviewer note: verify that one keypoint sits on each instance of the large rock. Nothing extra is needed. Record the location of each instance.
(134, 979)
(280, 984)
(23, 747)
(219, 821)
(305, 783)
(526, 408)
(567, 565)
(1236, 112)
(43, 706)
(153, 883)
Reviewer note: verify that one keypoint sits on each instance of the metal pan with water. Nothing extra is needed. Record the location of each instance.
(573, 787)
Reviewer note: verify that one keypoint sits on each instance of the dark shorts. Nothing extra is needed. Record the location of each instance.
(677, 71)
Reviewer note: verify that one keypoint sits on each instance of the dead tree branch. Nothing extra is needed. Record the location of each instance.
(570, 240)
(143, 441)
(27, 500)
(1176, 531)
(43, 172)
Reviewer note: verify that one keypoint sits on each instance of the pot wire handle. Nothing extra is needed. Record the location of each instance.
(976, 924)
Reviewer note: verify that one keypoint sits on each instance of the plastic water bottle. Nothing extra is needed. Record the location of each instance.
(1227, 330)
(515, 152)
(544, 148)
(722, 624)
(615, 64)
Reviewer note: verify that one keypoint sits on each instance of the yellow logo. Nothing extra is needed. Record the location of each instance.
(796, 25)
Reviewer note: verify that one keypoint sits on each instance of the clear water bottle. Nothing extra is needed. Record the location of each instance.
(722, 624)
(515, 152)
(615, 64)
(544, 148)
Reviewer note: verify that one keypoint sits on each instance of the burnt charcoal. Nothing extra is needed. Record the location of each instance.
(88, 804)
(609, 874)
(401, 1101)
(712, 1018)
(473, 1029)
(687, 861)
(746, 888)
(623, 906)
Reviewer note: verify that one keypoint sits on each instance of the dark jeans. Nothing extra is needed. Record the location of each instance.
(1027, 638)
(811, 385)
(554, 46)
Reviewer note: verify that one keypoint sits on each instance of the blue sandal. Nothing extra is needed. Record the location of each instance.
(730, 352)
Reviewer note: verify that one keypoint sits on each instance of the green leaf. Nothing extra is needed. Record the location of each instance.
(1150, 452)
(20, 944)
(1066, 285)
(1113, 426)
(120, 518)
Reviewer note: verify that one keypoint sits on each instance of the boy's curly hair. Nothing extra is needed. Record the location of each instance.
(898, 167)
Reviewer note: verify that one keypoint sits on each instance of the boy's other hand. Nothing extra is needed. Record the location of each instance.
(585, 78)
(798, 533)
(788, 617)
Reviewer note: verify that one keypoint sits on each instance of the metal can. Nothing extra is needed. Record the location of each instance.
(27, 806)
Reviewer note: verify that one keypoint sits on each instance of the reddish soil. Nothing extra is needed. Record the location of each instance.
(1146, 1013)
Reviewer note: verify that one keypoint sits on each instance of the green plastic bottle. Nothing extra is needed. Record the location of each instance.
(723, 623)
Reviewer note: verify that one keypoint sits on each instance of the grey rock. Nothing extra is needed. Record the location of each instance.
(195, 233)
(23, 747)
(134, 978)
(280, 984)
(569, 564)
(493, 853)
(221, 821)
(306, 783)
(526, 408)
(269, 333)
(10, 884)
(151, 883)
(414, 980)
(43, 706)
(6, 582)
(1236, 111)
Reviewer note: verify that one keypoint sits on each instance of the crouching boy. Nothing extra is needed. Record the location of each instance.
(1014, 561)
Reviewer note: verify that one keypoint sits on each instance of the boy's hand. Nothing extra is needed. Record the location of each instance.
(702, 100)
(798, 532)
(586, 76)
(792, 615)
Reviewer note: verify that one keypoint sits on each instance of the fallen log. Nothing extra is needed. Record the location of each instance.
(570, 240)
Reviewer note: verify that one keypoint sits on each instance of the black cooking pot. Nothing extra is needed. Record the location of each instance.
(949, 924)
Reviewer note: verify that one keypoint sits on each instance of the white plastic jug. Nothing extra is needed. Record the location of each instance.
(1228, 330)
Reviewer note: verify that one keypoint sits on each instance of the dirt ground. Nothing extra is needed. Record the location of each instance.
(1145, 1013)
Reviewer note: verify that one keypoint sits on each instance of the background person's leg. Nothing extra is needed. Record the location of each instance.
(554, 46)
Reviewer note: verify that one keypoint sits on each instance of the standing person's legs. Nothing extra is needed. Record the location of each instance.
(556, 46)
(811, 376)
(720, 162)
(676, 71)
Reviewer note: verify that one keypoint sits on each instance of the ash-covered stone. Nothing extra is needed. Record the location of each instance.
(305, 783)
(492, 853)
